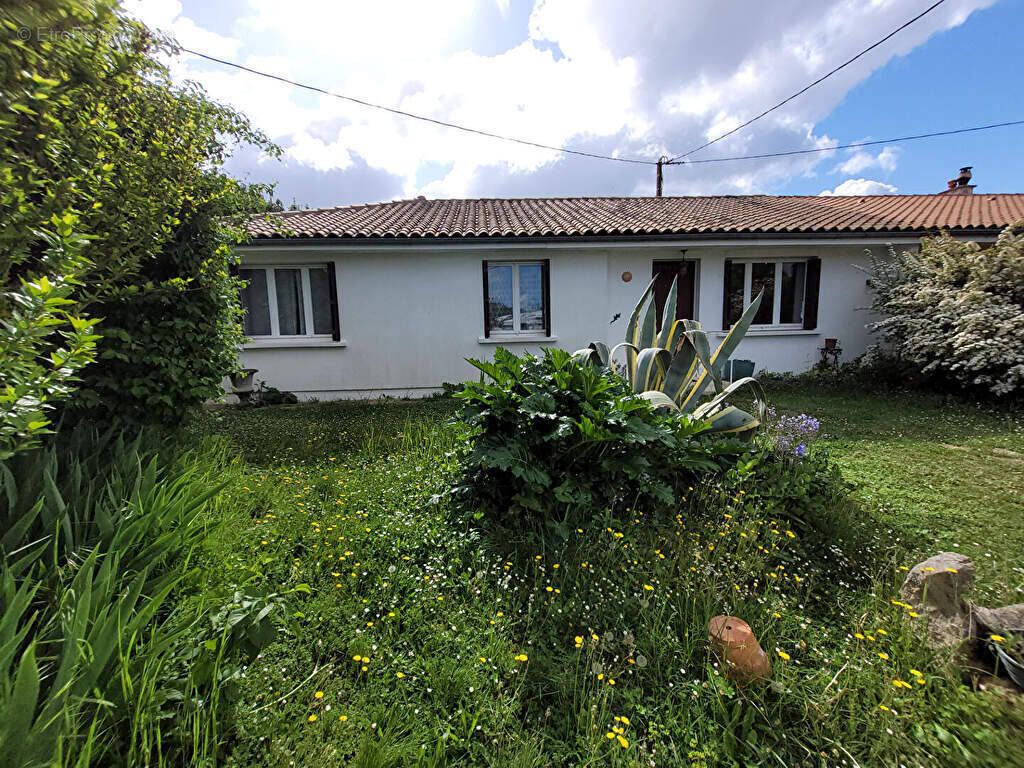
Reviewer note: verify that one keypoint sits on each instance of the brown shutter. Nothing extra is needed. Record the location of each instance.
(487, 305)
(812, 287)
(726, 289)
(545, 277)
(332, 286)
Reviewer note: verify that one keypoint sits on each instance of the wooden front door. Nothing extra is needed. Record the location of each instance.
(685, 275)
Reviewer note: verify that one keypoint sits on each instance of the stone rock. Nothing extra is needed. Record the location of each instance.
(1005, 620)
(935, 589)
(734, 642)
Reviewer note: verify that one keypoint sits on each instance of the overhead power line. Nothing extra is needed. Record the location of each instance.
(851, 146)
(803, 90)
(566, 150)
(423, 118)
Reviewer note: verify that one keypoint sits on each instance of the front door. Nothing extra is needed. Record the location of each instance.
(685, 274)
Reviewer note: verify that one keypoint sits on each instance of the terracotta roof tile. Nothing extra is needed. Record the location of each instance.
(628, 216)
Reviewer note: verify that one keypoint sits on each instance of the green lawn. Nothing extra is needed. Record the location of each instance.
(946, 476)
(421, 638)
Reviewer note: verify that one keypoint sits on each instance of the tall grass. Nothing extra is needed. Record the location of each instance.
(101, 638)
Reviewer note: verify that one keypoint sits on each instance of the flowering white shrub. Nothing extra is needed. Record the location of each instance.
(956, 310)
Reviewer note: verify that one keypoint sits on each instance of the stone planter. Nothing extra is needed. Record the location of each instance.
(242, 383)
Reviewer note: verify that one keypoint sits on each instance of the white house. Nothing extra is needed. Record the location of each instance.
(391, 298)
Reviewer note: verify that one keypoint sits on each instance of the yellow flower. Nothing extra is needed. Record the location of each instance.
(624, 720)
(399, 675)
(912, 614)
(343, 718)
(623, 742)
(648, 587)
(883, 656)
(883, 707)
(783, 655)
(858, 635)
(609, 735)
(521, 657)
(997, 638)
(318, 695)
(915, 673)
(312, 718)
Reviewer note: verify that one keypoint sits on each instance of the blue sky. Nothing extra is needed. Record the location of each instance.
(967, 76)
(636, 78)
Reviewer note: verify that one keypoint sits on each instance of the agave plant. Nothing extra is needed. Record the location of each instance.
(673, 368)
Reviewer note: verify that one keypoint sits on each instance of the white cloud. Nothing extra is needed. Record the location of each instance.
(859, 161)
(854, 187)
(633, 79)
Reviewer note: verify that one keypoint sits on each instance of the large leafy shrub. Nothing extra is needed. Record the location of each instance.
(955, 311)
(109, 192)
(554, 438)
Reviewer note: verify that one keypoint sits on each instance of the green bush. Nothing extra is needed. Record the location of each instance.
(114, 214)
(554, 437)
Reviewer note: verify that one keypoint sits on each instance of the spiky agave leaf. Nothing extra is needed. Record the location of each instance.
(659, 399)
(668, 318)
(725, 349)
(728, 419)
(633, 335)
(651, 366)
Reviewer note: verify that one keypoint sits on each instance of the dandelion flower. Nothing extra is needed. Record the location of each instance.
(997, 638)
(783, 655)
(623, 742)
(343, 718)
(312, 718)
(648, 587)
(399, 675)
(521, 657)
(318, 695)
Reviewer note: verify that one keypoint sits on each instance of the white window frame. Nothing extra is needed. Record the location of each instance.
(307, 300)
(748, 282)
(516, 299)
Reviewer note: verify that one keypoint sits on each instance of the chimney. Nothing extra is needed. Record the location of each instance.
(961, 184)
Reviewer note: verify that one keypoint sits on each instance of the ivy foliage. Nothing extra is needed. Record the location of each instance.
(955, 311)
(111, 190)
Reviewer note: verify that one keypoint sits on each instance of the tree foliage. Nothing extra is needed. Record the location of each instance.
(955, 310)
(110, 191)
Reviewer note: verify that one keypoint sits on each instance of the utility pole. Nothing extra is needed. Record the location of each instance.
(657, 186)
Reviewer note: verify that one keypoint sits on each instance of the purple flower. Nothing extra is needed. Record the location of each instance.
(791, 435)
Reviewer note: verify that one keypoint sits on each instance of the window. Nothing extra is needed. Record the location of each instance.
(516, 298)
(290, 301)
(787, 286)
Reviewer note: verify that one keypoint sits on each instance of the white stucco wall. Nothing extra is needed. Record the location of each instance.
(411, 315)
